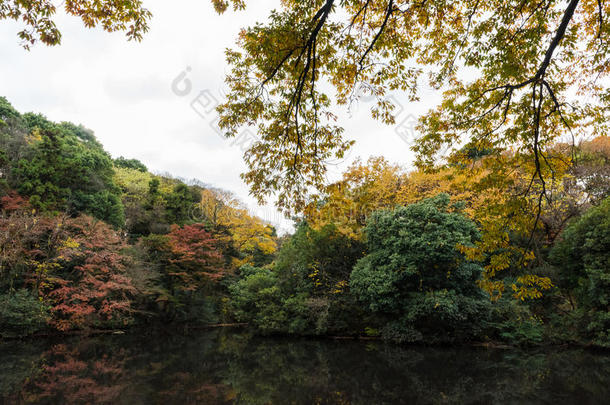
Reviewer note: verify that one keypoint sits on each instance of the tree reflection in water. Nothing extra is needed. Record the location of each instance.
(224, 366)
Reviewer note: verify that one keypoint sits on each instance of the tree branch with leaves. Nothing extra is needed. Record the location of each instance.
(38, 17)
(515, 77)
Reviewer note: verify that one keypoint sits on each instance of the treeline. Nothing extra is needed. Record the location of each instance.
(453, 254)
(447, 255)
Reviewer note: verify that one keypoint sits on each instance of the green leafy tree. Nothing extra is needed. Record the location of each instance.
(12, 141)
(415, 274)
(66, 169)
(583, 257)
(141, 211)
(22, 313)
(259, 300)
(318, 261)
(180, 203)
(130, 164)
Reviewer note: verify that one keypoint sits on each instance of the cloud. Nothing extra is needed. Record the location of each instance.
(135, 89)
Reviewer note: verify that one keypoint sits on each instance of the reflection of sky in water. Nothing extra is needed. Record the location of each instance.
(219, 367)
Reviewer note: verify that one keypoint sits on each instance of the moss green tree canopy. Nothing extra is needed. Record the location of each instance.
(112, 15)
(415, 248)
(583, 253)
(130, 164)
(65, 173)
(58, 166)
(512, 74)
(318, 261)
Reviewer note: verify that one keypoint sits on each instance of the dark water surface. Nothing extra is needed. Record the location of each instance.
(228, 366)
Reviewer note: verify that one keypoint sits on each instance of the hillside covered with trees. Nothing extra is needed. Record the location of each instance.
(92, 243)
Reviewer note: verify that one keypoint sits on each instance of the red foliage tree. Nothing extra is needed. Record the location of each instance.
(74, 264)
(189, 261)
(92, 289)
(194, 256)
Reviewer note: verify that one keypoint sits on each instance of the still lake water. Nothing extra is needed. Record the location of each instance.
(228, 366)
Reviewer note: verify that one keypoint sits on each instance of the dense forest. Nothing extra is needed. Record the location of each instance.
(93, 243)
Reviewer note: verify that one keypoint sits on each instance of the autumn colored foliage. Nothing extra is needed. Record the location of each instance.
(447, 253)
(193, 256)
(91, 242)
(73, 264)
(96, 291)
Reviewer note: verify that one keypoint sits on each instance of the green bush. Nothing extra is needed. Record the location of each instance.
(22, 314)
(439, 317)
(514, 323)
(305, 290)
(258, 300)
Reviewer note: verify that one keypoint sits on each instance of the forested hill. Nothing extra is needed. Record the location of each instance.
(61, 167)
(89, 241)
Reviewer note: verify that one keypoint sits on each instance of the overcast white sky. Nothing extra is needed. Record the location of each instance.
(123, 91)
